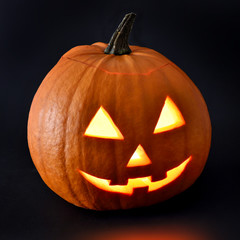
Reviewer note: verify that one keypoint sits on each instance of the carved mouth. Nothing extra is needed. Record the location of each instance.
(133, 183)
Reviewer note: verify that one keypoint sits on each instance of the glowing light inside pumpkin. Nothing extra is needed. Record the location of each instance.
(170, 117)
(104, 184)
(102, 126)
(139, 158)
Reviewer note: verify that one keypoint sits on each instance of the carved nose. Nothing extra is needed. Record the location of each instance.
(139, 158)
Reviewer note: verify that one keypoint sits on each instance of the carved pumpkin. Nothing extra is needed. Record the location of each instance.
(113, 127)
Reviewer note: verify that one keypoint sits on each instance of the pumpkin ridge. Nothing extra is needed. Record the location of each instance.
(118, 199)
(65, 140)
(40, 127)
(73, 195)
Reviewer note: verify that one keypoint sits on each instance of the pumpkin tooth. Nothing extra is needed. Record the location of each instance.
(118, 182)
(161, 176)
(139, 191)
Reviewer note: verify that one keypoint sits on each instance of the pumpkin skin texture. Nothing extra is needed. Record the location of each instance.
(132, 89)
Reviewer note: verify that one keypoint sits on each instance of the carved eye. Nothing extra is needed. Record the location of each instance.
(170, 117)
(102, 126)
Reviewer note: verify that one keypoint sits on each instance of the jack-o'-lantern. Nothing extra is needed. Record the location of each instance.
(116, 127)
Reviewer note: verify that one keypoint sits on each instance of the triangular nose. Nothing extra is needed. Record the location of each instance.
(139, 158)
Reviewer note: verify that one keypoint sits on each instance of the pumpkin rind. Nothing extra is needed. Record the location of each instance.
(132, 88)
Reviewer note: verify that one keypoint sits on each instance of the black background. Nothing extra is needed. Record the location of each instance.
(201, 37)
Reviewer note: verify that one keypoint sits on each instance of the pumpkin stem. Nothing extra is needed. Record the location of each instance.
(118, 44)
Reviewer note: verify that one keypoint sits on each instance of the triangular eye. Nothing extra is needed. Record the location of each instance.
(170, 117)
(102, 126)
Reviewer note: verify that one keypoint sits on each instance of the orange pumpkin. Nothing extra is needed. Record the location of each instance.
(117, 127)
